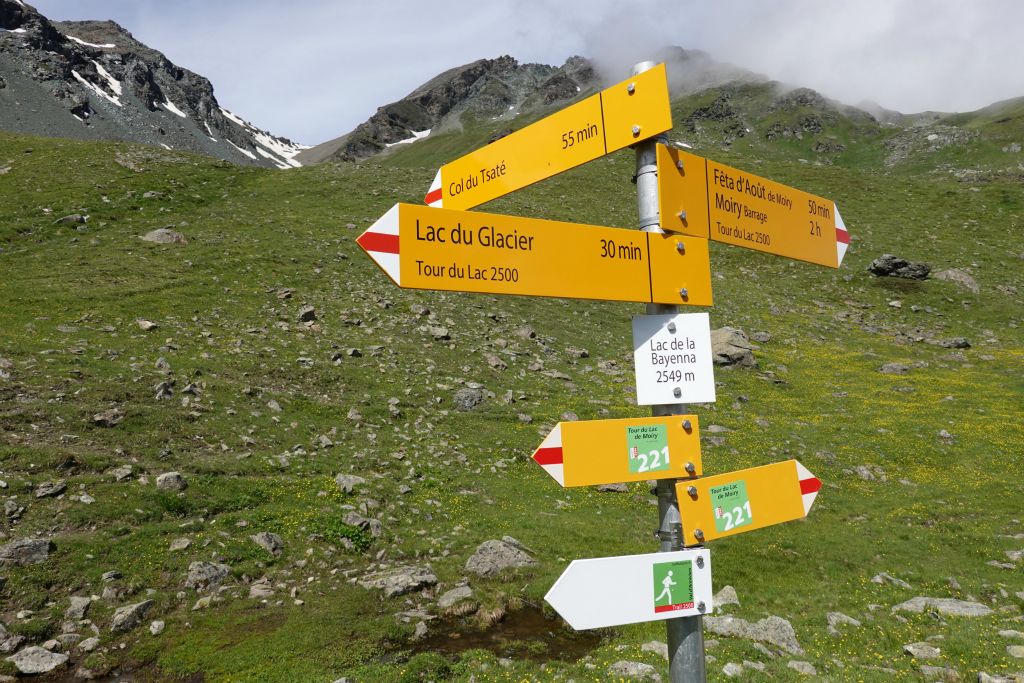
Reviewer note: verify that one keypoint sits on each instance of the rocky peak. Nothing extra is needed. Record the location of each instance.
(500, 88)
(94, 80)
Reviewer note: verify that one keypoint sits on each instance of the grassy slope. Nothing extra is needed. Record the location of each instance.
(946, 508)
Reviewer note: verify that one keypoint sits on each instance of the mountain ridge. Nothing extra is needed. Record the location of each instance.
(94, 80)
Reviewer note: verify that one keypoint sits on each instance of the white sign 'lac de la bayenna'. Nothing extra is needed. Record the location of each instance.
(672, 357)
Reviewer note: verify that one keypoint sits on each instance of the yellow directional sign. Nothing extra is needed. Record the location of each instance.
(420, 247)
(594, 452)
(624, 114)
(707, 199)
(728, 504)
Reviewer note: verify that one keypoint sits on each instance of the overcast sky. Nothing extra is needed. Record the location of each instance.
(312, 70)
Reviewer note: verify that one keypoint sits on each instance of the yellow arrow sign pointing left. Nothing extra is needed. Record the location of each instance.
(622, 115)
(594, 452)
(425, 248)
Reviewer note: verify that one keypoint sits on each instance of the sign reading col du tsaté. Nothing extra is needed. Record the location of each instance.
(673, 360)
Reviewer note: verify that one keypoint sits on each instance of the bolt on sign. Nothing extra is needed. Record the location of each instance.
(615, 118)
(420, 247)
(707, 199)
(595, 452)
(745, 500)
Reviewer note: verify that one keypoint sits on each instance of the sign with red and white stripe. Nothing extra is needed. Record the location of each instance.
(612, 591)
(420, 247)
(595, 452)
(736, 502)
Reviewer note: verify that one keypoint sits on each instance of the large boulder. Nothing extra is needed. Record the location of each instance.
(129, 617)
(959, 278)
(773, 630)
(493, 557)
(731, 346)
(400, 580)
(25, 551)
(948, 606)
(888, 265)
(206, 575)
(37, 660)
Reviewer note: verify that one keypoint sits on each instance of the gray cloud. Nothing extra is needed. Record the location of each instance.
(313, 70)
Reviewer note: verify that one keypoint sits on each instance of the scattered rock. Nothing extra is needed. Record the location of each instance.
(400, 580)
(806, 668)
(439, 333)
(270, 542)
(634, 670)
(171, 481)
(164, 236)
(180, 544)
(108, 418)
(121, 473)
(773, 630)
(374, 526)
(89, 644)
(730, 346)
(940, 673)
(947, 606)
(146, 325)
(613, 488)
(71, 219)
(455, 596)
(726, 596)
(894, 369)
(492, 557)
(206, 575)
(837, 619)
(307, 314)
(1015, 651)
(156, 627)
(883, 578)
(958, 277)
(51, 489)
(79, 606)
(657, 647)
(495, 362)
(467, 399)
(262, 588)
(888, 265)
(25, 551)
(732, 669)
(37, 660)
(130, 616)
(922, 650)
(348, 482)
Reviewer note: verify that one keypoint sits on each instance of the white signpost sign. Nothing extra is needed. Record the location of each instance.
(673, 360)
(611, 591)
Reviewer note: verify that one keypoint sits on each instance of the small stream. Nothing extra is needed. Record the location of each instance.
(523, 634)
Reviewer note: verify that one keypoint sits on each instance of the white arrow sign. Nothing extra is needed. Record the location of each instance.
(611, 591)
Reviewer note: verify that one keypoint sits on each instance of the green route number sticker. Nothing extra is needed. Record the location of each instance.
(731, 505)
(647, 448)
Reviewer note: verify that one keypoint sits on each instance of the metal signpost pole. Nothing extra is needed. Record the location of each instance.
(686, 634)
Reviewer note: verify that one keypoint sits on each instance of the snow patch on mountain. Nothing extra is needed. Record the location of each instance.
(92, 87)
(169, 106)
(102, 46)
(415, 136)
